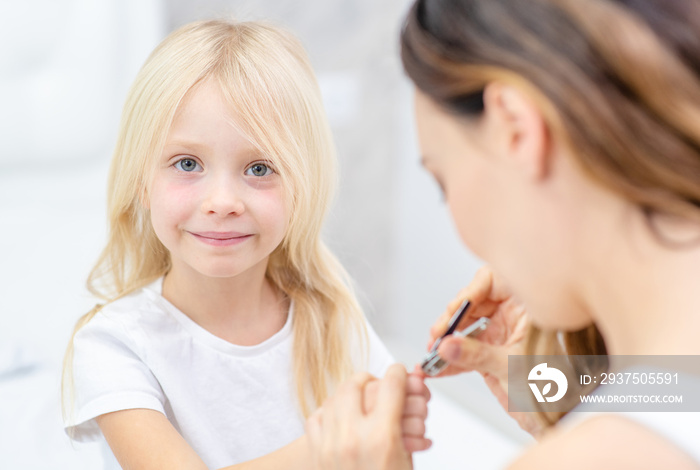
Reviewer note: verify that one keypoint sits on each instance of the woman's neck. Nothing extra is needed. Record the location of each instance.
(245, 310)
(644, 295)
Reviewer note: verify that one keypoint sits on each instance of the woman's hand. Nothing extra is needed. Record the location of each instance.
(345, 435)
(487, 354)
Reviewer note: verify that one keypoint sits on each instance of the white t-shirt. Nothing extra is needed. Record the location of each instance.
(231, 403)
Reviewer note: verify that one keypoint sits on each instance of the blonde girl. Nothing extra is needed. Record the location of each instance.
(225, 319)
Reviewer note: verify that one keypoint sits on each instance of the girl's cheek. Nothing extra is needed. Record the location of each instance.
(183, 194)
(172, 199)
(273, 205)
(178, 192)
(269, 197)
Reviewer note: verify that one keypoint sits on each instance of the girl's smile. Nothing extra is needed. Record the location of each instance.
(221, 238)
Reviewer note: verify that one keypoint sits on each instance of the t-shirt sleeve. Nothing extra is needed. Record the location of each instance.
(379, 359)
(108, 375)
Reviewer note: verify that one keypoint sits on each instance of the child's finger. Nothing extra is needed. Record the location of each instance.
(415, 406)
(415, 385)
(418, 372)
(413, 426)
(416, 444)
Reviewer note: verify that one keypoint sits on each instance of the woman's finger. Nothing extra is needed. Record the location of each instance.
(314, 434)
(470, 354)
(360, 379)
(350, 394)
(313, 426)
(391, 396)
(477, 291)
(494, 384)
(370, 395)
(417, 395)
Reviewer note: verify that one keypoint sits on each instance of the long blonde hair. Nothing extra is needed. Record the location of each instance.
(268, 81)
(616, 80)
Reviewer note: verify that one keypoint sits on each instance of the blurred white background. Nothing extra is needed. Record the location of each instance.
(65, 66)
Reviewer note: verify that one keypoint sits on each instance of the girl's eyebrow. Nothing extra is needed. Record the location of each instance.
(251, 153)
(185, 144)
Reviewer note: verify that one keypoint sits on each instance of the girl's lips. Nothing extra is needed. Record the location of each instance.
(220, 235)
(221, 238)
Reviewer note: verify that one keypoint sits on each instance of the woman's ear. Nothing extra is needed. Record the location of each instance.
(519, 128)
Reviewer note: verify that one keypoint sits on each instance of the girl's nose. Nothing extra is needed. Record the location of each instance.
(223, 197)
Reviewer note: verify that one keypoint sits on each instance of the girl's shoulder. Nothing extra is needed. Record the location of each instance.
(138, 310)
(606, 441)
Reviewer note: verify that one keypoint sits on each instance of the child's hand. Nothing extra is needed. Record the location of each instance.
(415, 411)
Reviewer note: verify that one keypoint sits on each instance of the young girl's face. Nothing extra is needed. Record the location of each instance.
(216, 203)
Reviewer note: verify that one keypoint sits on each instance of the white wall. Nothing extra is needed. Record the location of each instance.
(65, 66)
(62, 84)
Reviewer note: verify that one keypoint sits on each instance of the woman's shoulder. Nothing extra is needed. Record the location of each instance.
(606, 441)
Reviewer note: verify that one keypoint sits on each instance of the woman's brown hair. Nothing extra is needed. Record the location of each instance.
(617, 80)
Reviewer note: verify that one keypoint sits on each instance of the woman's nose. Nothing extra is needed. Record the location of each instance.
(223, 197)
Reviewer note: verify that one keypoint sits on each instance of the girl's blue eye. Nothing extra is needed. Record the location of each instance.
(188, 165)
(259, 169)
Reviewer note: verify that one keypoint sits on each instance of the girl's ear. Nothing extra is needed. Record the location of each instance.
(520, 130)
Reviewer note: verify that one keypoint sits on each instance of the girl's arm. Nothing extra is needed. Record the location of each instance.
(144, 439)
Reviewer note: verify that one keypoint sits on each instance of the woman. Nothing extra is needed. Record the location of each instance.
(566, 137)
